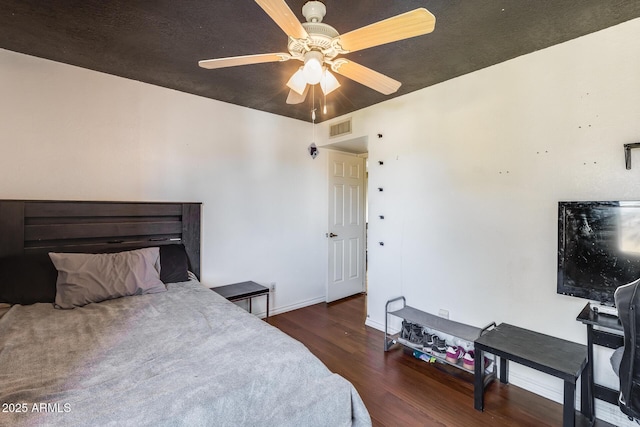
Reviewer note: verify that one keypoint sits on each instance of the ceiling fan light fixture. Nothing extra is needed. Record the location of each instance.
(328, 82)
(313, 67)
(297, 82)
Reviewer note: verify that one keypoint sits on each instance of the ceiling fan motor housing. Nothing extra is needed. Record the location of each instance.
(321, 38)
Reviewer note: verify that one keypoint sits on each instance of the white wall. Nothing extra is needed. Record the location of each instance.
(473, 170)
(70, 133)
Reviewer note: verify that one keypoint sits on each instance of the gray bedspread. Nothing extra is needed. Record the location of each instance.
(182, 357)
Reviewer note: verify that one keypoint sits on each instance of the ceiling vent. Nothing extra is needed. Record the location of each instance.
(339, 129)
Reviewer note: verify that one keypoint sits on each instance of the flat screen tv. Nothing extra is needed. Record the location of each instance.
(598, 248)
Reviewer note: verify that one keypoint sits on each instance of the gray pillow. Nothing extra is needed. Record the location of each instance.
(87, 278)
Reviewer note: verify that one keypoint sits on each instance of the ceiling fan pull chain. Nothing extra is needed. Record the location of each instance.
(313, 111)
(324, 94)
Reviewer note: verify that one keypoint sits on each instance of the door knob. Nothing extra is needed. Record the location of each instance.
(332, 235)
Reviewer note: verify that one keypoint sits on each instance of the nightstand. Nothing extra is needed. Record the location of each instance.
(243, 290)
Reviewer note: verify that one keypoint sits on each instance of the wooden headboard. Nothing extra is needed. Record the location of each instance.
(30, 226)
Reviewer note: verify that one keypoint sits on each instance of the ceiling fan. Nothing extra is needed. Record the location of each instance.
(318, 45)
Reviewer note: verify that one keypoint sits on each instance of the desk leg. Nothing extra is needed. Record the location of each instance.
(568, 409)
(504, 370)
(588, 396)
(267, 306)
(478, 381)
(585, 394)
(250, 299)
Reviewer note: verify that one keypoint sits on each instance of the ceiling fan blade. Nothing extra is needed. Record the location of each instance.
(282, 15)
(295, 98)
(243, 60)
(411, 24)
(366, 76)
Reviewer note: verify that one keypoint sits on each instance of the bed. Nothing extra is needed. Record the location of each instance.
(179, 356)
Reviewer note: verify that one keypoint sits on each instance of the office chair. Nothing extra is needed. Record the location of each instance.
(627, 299)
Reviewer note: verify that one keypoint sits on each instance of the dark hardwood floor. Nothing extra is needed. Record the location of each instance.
(400, 390)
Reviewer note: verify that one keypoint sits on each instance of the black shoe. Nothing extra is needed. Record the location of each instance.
(439, 347)
(416, 334)
(406, 330)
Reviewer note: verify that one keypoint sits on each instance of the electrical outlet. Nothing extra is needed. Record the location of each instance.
(443, 313)
(272, 286)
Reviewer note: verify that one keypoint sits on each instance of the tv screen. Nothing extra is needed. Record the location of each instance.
(598, 248)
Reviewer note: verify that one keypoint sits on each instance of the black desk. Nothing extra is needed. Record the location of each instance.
(243, 290)
(601, 338)
(554, 356)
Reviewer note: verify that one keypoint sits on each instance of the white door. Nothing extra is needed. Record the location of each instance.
(346, 225)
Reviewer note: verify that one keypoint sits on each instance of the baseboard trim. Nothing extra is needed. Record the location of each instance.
(528, 383)
(604, 411)
(374, 324)
(291, 307)
(612, 414)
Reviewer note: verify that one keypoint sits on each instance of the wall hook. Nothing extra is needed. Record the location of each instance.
(627, 153)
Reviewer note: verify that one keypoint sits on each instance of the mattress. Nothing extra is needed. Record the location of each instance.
(182, 357)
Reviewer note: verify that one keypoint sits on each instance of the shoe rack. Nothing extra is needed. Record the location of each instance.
(398, 307)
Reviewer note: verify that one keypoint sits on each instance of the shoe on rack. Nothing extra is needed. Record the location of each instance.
(468, 360)
(439, 347)
(454, 354)
(416, 335)
(405, 333)
(427, 341)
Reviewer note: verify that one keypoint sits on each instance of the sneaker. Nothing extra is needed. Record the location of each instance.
(416, 335)
(406, 330)
(468, 360)
(454, 354)
(427, 341)
(439, 347)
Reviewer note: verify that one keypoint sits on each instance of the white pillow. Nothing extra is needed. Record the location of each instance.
(87, 278)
